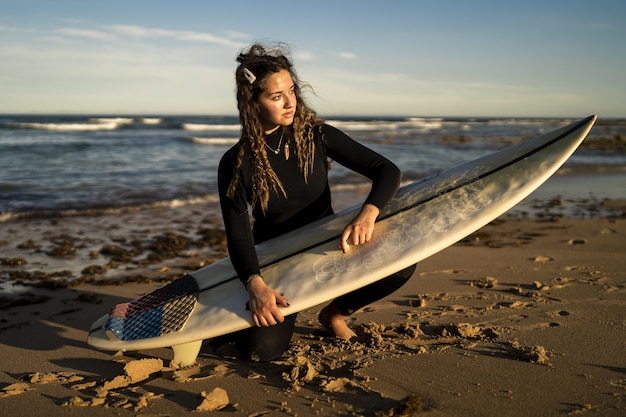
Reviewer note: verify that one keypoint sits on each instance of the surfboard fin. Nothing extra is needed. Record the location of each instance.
(186, 354)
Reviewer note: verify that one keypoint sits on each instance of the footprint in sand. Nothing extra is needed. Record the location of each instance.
(561, 313)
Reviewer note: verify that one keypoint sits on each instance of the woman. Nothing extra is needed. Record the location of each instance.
(279, 168)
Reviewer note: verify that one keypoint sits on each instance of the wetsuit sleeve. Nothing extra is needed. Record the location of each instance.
(237, 223)
(384, 174)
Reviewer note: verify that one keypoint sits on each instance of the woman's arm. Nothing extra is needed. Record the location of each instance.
(385, 178)
(263, 300)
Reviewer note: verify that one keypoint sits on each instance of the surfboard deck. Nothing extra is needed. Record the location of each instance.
(308, 266)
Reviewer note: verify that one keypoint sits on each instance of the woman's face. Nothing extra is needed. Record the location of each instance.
(278, 101)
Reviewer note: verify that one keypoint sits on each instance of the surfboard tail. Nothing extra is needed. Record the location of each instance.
(162, 311)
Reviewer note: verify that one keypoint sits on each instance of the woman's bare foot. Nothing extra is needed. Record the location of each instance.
(334, 321)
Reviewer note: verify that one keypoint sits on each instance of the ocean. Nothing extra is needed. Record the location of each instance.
(68, 164)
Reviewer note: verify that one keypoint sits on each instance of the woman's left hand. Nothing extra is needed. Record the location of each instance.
(360, 229)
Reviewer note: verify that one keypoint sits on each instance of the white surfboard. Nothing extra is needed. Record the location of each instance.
(308, 266)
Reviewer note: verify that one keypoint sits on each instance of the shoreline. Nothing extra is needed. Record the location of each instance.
(524, 317)
(567, 180)
(165, 241)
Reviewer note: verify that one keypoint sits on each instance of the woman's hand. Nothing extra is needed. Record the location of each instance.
(360, 229)
(264, 303)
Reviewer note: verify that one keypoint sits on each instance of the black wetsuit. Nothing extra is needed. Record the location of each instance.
(305, 202)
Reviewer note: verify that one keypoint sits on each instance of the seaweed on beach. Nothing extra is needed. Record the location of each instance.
(119, 254)
(27, 298)
(167, 246)
(64, 246)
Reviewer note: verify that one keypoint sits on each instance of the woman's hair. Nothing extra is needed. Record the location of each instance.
(255, 66)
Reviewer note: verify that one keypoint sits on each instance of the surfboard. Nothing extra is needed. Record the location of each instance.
(308, 266)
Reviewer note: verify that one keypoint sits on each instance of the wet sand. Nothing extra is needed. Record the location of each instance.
(525, 317)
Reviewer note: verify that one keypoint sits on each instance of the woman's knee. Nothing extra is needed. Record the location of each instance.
(264, 344)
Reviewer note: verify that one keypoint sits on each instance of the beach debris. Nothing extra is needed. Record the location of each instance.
(533, 354)
(27, 298)
(28, 244)
(463, 330)
(542, 259)
(302, 371)
(64, 247)
(460, 330)
(134, 372)
(15, 389)
(76, 401)
(336, 384)
(214, 400)
(487, 282)
(52, 377)
(144, 399)
(117, 253)
(141, 369)
(214, 237)
(101, 401)
(89, 298)
(168, 245)
(196, 373)
(84, 386)
(513, 304)
(412, 330)
(466, 330)
(409, 406)
(577, 241)
(13, 261)
(94, 270)
(579, 409)
(417, 302)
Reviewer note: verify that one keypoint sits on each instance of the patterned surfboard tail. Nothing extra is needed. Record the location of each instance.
(162, 311)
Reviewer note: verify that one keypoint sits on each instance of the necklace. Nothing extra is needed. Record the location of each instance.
(280, 142)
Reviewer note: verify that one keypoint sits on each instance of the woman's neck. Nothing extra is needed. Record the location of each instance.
(272, 130)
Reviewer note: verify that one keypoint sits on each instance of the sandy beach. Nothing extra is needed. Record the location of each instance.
(526, 317)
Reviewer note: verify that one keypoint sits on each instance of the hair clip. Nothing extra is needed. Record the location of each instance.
(249, 75)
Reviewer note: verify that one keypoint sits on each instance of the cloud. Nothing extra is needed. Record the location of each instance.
(347, 55)
(118, 32)
(180, 35)
(87, 33)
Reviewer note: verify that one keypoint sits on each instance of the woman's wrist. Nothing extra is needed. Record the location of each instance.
(250, 279)
(370, 210)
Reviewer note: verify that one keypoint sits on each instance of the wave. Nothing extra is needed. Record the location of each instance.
(426, 123)
(411, 123)
(92, 124)
(118, 120)
(150, 120)
(528, 122)
(169, 204)
(74, 127)
(200, 127)
(212, 141)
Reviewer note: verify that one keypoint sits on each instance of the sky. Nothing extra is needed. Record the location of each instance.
(547, 58)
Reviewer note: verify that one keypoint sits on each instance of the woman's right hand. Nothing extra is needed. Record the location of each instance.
(264, 303)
